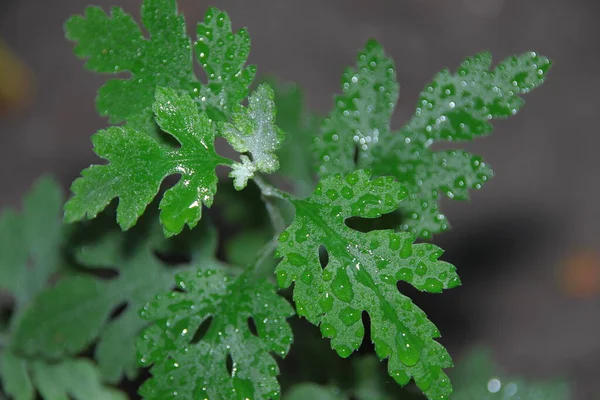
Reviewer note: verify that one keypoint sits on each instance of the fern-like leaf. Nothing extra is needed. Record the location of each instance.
(454, 107)
(361, 275)
(114, 43)
(139, 164)
(197, 368)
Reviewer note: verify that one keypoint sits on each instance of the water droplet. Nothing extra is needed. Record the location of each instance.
(307, 277)
(296, 259)
(404, 274)
(332, 194)
(394, 241)
(454, 282)
(382, 264)
(349, 316)
(326, 302)
(352, 179)
(327, 275)
(343, 351)
(285, 235)
(347, 193)
(421, 269)
(342, 287)
(282, 278)
(494, 385)
(382, 349)
(328, 330)
(511, 389)
(409, 348)
(432, 285)
(406, 250)
(400, 377)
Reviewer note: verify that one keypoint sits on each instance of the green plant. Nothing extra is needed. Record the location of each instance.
(215, 334)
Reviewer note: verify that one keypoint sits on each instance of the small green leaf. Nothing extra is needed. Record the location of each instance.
(30, 242)
(361, 115)
(72, 314)
(68, 317)
(296, 156)
(312, 391)
(361, 275)
(478, 377)
(454, 107)
(253, 130)
(138, 164)
(114, 44)
(14, 377)
(78, 379)
(196, 368)
(369, 383)
(223, 54)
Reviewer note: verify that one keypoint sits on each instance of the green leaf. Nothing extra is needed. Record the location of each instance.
(454, 107)
(361, 275)
(67, 318)
(478, 377)
(197, 368)
(312, 391)
(14, 377)
(296, 154)
(138, 164)
(78, 379)
(361, 115)
(253, 130)
(115, 44)
(30, 241)
(369, 384)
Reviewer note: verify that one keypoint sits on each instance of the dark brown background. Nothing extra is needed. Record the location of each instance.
(510, 242)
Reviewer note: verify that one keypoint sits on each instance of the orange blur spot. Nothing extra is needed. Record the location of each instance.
(581, 275)
(16, 84)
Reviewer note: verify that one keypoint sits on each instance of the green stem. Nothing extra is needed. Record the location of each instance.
(269, 193)
(261, 266)
(269, 190)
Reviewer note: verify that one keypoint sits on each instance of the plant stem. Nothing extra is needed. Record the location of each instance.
(269, 190)
(260, 265)
(269, 193)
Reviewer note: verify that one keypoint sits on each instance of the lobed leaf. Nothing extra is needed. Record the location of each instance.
(115, 43)
(30, 242)
(78, 379)
(192, 367)
(311, 391)
(253, 130)
(361, 114)
(454, 107)
(66, 318)
(138, 164)
(74, 378)
(361, 275)
(296, 154)
(14, 376)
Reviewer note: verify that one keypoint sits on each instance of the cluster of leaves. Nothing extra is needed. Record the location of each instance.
(215, 334)
(29, 258)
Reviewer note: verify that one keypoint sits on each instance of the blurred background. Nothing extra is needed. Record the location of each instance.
(527, 246)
